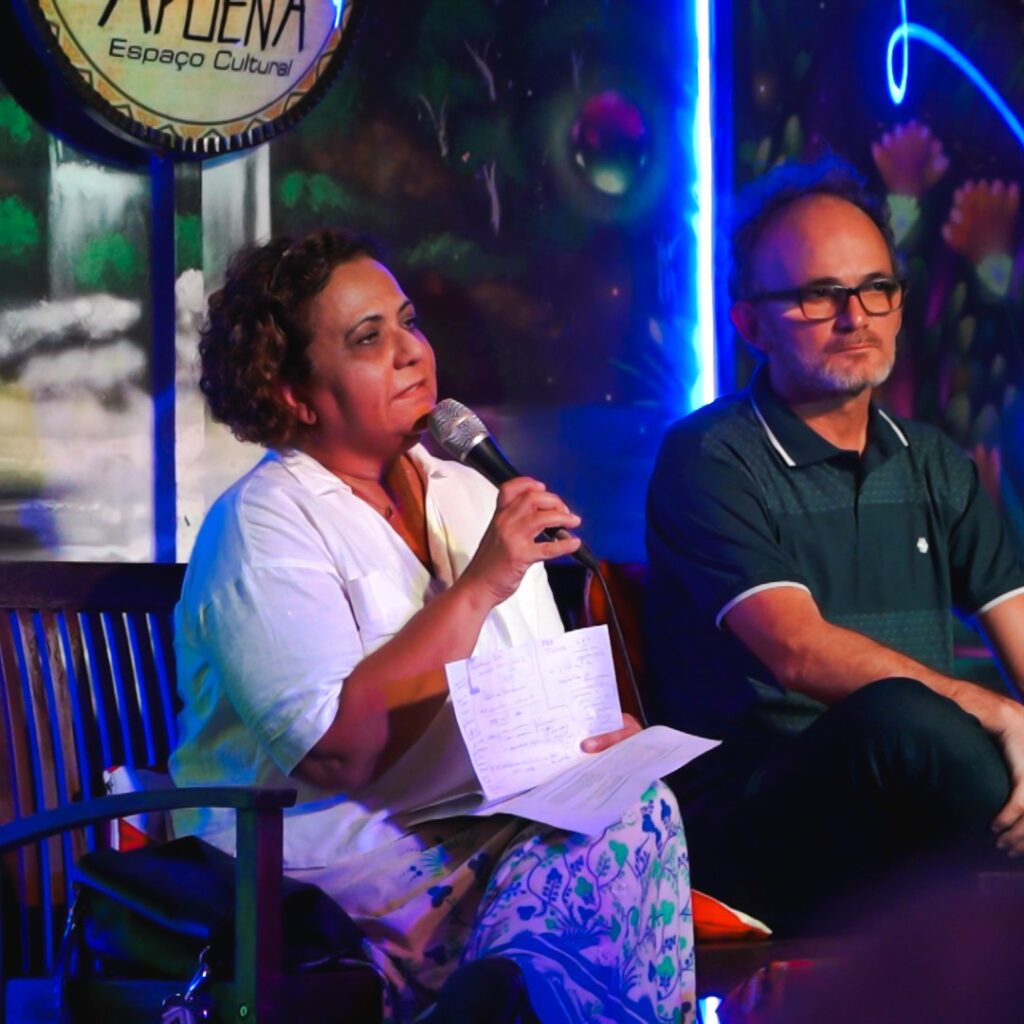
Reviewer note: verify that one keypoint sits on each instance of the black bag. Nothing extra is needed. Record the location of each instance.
(152, 911)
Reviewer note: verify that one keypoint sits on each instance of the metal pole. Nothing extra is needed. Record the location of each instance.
(162, 364)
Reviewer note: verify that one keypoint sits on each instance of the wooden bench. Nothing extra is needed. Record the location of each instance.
(88, 682)
(87, 672)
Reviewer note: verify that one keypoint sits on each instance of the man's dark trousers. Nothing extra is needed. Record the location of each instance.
(888, 781)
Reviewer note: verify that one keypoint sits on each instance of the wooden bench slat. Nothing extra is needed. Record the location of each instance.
(47, 761)
(129, 719)
(86, 741)
(88, 682)
(62, 708)
(22, 868)
(101, 684)
(161, 642)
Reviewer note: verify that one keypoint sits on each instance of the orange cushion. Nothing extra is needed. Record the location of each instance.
(715, 921)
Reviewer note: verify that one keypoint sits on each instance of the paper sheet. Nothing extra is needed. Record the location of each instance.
(524, 711)
(595, 792)
(508, 742)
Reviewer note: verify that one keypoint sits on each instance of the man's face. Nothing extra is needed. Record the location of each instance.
(820, 240)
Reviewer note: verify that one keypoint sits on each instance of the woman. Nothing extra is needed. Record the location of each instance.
(326, 589)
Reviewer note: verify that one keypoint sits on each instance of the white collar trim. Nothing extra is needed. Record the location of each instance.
(773, 440)
(896, 430)
(788, 459)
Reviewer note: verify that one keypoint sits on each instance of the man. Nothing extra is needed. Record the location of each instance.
(806, 550)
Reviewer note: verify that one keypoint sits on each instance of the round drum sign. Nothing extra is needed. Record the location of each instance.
(199, 77)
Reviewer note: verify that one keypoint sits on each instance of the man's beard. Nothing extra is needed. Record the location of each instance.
(825, 379)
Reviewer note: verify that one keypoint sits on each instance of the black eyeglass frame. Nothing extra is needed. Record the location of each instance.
(798, 294)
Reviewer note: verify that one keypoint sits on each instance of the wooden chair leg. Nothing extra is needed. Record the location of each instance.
(258, 918)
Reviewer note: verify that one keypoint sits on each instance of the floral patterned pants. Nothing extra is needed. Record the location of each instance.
(600, 926)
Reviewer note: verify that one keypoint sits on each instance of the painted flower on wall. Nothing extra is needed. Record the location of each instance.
(910, 160)
(981, 227)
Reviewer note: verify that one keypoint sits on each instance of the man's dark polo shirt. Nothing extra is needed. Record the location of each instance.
(745, 496)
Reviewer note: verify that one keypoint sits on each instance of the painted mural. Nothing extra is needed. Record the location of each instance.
(813, 78)
(75, 411)
(519, 163)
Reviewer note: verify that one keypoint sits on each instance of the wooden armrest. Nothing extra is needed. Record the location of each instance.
(257, 870)
(87, 812)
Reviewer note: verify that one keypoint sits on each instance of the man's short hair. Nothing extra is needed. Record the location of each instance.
(759, 204)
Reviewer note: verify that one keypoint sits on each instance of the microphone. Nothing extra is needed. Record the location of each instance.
(462, 433)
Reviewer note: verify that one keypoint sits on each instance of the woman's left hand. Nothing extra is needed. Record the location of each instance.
(595, 744)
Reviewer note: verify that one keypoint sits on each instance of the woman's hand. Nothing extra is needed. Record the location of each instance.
(604, 740)
(509, 547)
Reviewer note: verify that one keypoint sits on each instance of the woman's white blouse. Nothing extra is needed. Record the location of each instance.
(292, 582)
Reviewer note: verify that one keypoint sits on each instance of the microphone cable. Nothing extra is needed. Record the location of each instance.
(619, 639)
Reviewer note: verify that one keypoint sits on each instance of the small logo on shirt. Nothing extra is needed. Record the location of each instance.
(922, 545)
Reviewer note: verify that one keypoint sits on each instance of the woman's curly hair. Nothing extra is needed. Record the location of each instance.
(256, 332)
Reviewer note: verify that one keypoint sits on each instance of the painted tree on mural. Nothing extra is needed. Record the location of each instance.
(454, 66)
(22, 200)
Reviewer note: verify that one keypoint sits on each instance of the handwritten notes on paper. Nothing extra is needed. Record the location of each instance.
(508, 741)
(524, 711)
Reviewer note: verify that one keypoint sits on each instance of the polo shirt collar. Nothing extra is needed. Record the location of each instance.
(319, 480)
(797, 444)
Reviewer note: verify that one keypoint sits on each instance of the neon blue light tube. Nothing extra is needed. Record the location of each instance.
(911, 30)
(705, 386)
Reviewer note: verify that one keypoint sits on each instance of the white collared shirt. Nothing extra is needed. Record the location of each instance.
(292, 582)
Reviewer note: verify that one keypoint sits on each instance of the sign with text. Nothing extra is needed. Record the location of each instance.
(197, 76)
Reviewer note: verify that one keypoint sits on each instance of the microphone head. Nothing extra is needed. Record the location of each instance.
(457, 429)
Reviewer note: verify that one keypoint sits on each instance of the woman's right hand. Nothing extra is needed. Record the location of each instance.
(509, 547)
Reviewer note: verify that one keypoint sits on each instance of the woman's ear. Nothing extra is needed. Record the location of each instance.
(304, 412)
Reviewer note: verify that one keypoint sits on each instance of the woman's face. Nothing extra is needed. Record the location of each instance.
(372, 373)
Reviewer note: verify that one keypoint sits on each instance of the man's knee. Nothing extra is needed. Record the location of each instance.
(902, 711)
(910, 734)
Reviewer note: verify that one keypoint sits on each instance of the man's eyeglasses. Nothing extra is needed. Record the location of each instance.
(825, 301)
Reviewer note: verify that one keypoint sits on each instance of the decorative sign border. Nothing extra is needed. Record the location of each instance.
(170, 123)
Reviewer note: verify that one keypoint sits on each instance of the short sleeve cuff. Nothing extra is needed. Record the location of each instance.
(729, 605)
(989, 605)
(289, 747)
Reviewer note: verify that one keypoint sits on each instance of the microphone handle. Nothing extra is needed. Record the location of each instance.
(489, 460)
(582, 554)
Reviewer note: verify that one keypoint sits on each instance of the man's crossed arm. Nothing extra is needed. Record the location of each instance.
(784, 629)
